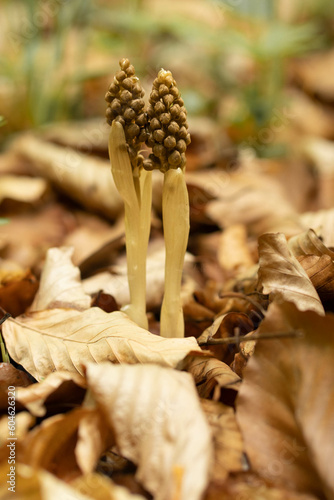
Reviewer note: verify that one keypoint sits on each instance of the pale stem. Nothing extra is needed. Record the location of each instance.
(137, 221)
(175, 213)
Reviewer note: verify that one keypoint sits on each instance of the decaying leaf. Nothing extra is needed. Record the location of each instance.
(308, 243)
(58, 389)
(282, 276)
(233, 252)
(66, 339)
(85, 179)
(285, 406)
(17, 290)
(60, 284)
(227, 440)
(213, 378)
(155, 414)
(320, 270)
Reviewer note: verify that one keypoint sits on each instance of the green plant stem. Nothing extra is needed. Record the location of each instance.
(175, 213)
(137, 197)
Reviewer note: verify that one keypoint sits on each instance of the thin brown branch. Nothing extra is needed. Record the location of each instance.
(255, 336)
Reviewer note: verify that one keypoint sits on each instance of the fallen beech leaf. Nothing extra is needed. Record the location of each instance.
(227, 440)
(281, 275)
(285, 406)
(320, 270)
(66, 339)
(213, 378)
(60, 284)
(99, 487)
(313, 73)
(26, 237)
(155, 413)
(322, 222)
(233, 252)
(10, 376)
(17, 291)
(248, 486)
(36, 484)
(19, 188)
(58, 443)
(59, 388)
(308, 243)
(85, 179)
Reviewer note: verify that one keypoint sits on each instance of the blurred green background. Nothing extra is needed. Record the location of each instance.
(233, 59)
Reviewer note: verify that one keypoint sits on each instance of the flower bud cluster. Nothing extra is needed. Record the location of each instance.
(126, 105)
(167, 125)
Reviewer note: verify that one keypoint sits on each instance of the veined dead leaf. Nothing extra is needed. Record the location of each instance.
(66, 339)
(282, 276)
(60, 284)
(213, 378)
(155, 413)
(227, 440)
(320, 270)
(308, 243)
(285, 405)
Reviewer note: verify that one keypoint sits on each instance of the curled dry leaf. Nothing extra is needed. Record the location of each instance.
(282, 276)
(60, 284)
(285, 406)
(227, 440)
(17, 291)
(59, 388)
(85, 179)
(155, 414)
(320, 270)
(213, 378)
(66, 339)
(308, 243)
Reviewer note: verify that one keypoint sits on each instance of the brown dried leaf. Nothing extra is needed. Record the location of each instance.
(66, 339)
(60, 284)
(17, 291)
(99, 487)
(85, 179)
(248, 486)
(285, 406)
(320, 270)
(213, 378)
(155, 414)
(233, 252)
(281, 275)
(58, 389)
(227, 440)
(308, 243)
(26, 237)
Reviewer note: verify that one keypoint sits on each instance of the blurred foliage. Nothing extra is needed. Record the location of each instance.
(58, 55)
